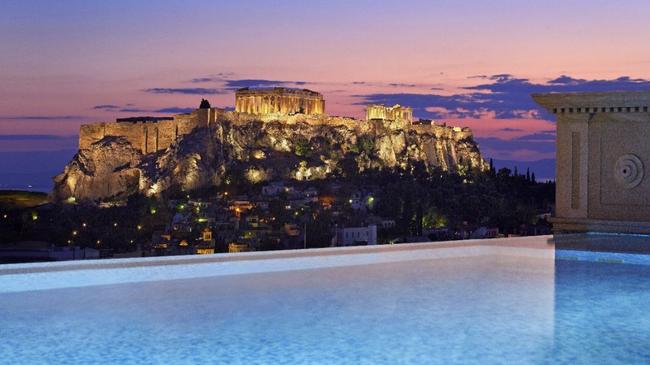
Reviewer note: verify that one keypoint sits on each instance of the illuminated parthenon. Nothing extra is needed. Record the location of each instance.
(279, 100)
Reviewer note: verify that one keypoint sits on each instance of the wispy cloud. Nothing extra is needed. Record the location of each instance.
(237, 84)
(130, 108)
(35, 137)
(106, 107)
(219, 77)
(174, 110)
(133, 110)
(185, 90)
(40, 117)
(502, 96)
(396, 84)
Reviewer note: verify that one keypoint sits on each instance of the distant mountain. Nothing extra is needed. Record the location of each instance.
(32, 170)
(543, 169)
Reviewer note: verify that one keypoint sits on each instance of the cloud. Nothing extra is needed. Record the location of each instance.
(221, 76)
(106, 107)
(396, 84)
(174, 110)
(499, 148)
(502, 96)
(35, 137)
(537, 137)
(238, 84)
(203, 79)
(133, 110)
(40, 117)
(186, 90)
(130, 108)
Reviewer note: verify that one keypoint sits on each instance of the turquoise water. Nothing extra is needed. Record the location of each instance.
(487, 310)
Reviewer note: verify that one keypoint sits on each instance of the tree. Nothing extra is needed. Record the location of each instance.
(204, 104)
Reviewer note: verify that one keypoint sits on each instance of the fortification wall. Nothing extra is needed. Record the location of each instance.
(148, 136)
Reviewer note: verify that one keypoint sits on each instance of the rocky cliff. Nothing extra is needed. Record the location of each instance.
(256, 150)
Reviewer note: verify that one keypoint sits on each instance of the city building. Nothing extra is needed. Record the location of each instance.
(354, 236)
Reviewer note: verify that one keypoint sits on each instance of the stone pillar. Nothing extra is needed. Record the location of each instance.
(603, 156)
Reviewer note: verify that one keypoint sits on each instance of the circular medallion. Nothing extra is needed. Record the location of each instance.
(628, 171)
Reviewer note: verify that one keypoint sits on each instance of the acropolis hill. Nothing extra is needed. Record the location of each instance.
(272, 134)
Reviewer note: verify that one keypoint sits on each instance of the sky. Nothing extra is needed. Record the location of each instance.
(466, 63)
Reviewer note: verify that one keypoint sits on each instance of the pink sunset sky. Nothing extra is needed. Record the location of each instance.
(466, 63)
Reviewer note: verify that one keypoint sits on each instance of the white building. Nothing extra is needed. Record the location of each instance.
(352, 236)
(273, 188)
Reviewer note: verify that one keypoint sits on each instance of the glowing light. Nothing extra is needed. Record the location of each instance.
(202, 220)
(34, 216)
(74, 233)
(115, 224)
(4, 216)
(153, 210)
(131, 241)
(83, 225)
(71, 200)
(139, 227)
(99, 242)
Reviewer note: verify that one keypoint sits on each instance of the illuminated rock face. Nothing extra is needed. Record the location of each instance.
(306, 148)
(279, 100)
(603, 155)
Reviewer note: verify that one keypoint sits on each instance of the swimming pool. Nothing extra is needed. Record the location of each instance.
(489, 302)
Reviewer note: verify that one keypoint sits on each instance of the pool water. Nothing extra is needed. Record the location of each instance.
(487, 309)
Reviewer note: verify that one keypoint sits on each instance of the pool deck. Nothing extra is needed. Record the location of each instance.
(530, 242)
(74, 274)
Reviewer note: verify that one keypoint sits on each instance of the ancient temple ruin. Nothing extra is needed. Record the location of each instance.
(401, 114)
(279, 100)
